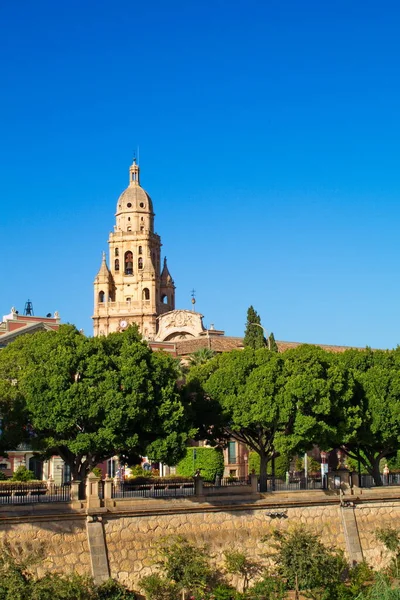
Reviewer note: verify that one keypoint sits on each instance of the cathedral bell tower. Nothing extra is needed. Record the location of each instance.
(132, 288)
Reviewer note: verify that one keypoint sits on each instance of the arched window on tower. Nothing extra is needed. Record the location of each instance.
(101, 296)
(164, 299)
(116, 252)
(146, 294)
(128, 263)
(140, 263)
(140, 250)
(116, 264)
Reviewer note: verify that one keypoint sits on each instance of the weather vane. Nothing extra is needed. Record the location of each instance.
(193, 294)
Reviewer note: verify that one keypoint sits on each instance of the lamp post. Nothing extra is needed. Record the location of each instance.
(324, 468)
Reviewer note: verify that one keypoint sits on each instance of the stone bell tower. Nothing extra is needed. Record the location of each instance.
(131, 288)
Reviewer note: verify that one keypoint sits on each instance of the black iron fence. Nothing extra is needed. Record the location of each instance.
(367, 481)
(27, 493)
(296, 483)
(156, 489)
(227, 482)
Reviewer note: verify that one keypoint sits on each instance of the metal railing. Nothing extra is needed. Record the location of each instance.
(367, 481)
(24, 493)
(296, 483)
(156, 489)
(227, 482)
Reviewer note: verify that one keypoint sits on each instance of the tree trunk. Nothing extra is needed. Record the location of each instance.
(263, 471)
(375, 471)
(296, 588)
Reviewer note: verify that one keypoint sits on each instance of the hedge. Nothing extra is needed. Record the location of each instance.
(210, 461)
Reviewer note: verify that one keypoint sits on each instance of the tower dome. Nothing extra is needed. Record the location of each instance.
(134, 198)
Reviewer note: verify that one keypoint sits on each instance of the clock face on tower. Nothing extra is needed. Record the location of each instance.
(123, 324)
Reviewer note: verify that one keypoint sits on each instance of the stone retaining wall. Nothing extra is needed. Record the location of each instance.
(63, 543)
(131, 537)
(132, 541)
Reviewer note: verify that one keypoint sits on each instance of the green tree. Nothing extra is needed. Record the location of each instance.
(22, 474)
(306, 563)
(200, 357)
(182, 564)
(368, 421)
(14, 423)
(238, 563)
(254, 333)
(272, 345)
(87, 399)
(250, 405)
(273, 403)
(390, 538)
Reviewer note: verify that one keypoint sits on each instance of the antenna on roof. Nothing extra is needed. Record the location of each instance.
(28, 310)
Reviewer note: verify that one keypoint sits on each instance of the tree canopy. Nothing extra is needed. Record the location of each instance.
(369, 419)
(87, 399)
(274, 403)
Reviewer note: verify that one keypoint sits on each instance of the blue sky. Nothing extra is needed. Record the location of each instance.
(269, 141)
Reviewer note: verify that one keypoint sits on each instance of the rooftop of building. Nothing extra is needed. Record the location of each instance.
(15, 324)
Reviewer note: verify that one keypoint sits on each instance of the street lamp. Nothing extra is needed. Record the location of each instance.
(265, 334)
(324, 468)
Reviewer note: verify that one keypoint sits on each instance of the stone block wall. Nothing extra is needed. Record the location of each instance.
(370, 517)
(63, 543)
(132, 540)
(131, 537)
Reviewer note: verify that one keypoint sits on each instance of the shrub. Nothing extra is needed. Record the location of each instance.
(210, 461)
(268, 587)
(3, 476)
(305, 563)
(390, 538)
(112, 590)
(61, 587)
(239, 564)
(225, 592)
(22, 474)
(18, 583)
(97, 471)
(381, 590)
(158, 588)
(138, 471)
(184, 568)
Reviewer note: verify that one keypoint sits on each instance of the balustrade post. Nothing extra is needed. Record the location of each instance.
(75, 484)
(198, 485)
(108, 483)
(254, 482)
(92, 491)
(355, 479)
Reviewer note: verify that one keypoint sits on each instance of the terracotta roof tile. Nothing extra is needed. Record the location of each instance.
(226, 344)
